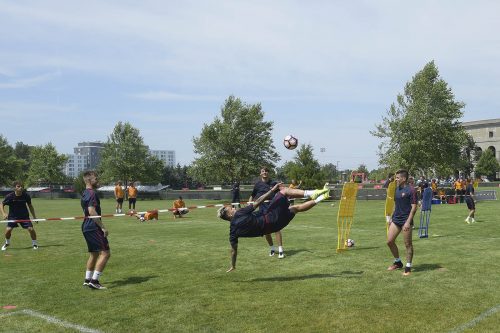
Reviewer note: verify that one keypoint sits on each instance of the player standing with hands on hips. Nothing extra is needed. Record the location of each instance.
(402, 220)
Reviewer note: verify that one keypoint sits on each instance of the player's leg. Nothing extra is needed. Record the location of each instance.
(8, 234)
(407, 237)
(90, 267)
(393, 233)
(32, 233)
(298, 193)
(279, 240)
(269, 240)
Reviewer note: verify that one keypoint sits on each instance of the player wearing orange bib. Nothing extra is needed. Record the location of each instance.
(132, 196)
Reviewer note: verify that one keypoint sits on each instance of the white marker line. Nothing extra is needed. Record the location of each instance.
(52, 320)
(476, 320)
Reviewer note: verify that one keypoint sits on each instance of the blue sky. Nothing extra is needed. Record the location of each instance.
(325, 71)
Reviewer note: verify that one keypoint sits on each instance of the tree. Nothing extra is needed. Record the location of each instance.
(330, 172)
(468, 156)
(10, 165)
(306, 168)
(234, 146)
(23, 152)
(487, 165)
(46, 165)
(177, 177)
(422, 131)
(126, 157)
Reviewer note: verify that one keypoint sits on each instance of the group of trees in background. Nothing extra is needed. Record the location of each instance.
(421, 133)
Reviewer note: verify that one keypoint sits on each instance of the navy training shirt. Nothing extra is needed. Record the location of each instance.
(90, 199)
(404, 198)
(260, 188)
(245, 224)
(469, 189)
(18, 209)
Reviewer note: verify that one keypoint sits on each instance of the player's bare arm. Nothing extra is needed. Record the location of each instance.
(267, 195)
(234, 254)
(97, 220)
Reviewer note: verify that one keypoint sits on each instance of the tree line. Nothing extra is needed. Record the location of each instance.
(420, 132)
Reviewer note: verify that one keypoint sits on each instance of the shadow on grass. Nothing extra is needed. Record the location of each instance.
(42, 246)
(428, 267)
(365, 248)
(344, 274)
(290, 253)
(131, 280)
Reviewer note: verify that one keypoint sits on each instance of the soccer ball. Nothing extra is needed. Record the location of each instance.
(142, 218)
(290, 142)
(349, 243)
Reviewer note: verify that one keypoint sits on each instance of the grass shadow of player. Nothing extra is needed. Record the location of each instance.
(42, 246)
(289, 253)
(344, 274)
(365, 248)
(428, 267)
(131, 280)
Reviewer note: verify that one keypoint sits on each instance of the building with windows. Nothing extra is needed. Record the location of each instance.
(167, 156)
(85, 157)
(88, 155)
(486, 135)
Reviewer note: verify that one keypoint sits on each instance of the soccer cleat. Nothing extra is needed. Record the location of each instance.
(396, 265)
(317, 193)
(281, 255)
(407, 271)
(86, 282)
(467, 220)
(4, 247)
(271, 253)
(35, 247)
(473, 221)
(94, 284)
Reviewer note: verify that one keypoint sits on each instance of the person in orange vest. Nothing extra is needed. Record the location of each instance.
(179, 208)
(119, 195)
(148, 216)
(132, 196)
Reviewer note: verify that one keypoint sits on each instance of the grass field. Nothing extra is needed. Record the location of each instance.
(169, 276)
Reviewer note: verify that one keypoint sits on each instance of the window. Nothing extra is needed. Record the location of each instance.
(490, 134)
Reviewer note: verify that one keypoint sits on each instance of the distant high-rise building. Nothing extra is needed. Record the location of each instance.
(167, 156)
(86, 157)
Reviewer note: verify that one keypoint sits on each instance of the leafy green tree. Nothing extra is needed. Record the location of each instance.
(46, 166)
(10, 165)
(23, 152)
(330, 172)
(234, 146)
(422, 131)
(126, 157)
(306, 168)
(177, 177)
(487, 165)
(468, 156)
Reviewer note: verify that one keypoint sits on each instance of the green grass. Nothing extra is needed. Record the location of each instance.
(169, 276)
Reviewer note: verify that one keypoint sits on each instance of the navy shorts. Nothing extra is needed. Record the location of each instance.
(96, 242)
(132, 200)
(24, 225)
(401, 224)
(470, 203)
(277, 215)
(119, 200)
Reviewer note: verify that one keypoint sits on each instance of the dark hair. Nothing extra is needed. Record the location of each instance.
(17, 182)
(222, 213)
(403, 173)
(180, 197)
(264, 168)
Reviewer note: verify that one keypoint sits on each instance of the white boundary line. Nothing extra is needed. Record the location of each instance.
(476, 320)
(52, 320)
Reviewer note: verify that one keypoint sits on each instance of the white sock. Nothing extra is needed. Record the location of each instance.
(7, 241)
(308, 193)
(96, 275)
(320, 198)
(272, 247)
(33, 241)
(397, 259)
(88, 275)
(408, 264)
(280, 248)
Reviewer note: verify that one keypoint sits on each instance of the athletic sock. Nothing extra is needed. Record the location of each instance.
(272, 248)
(7, 241)
(96, 275)
(88, 275)
(33, 241)
(308, 193)
(408, 264)
(280, 249)
(320, 198)
(397, 259)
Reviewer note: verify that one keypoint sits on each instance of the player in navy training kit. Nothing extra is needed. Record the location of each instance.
(402, 220)
(261, 187)
(94, 232)
(247, 223)
(18, 201)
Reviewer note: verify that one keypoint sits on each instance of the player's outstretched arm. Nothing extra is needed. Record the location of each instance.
(234, 254)
(263, 197)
